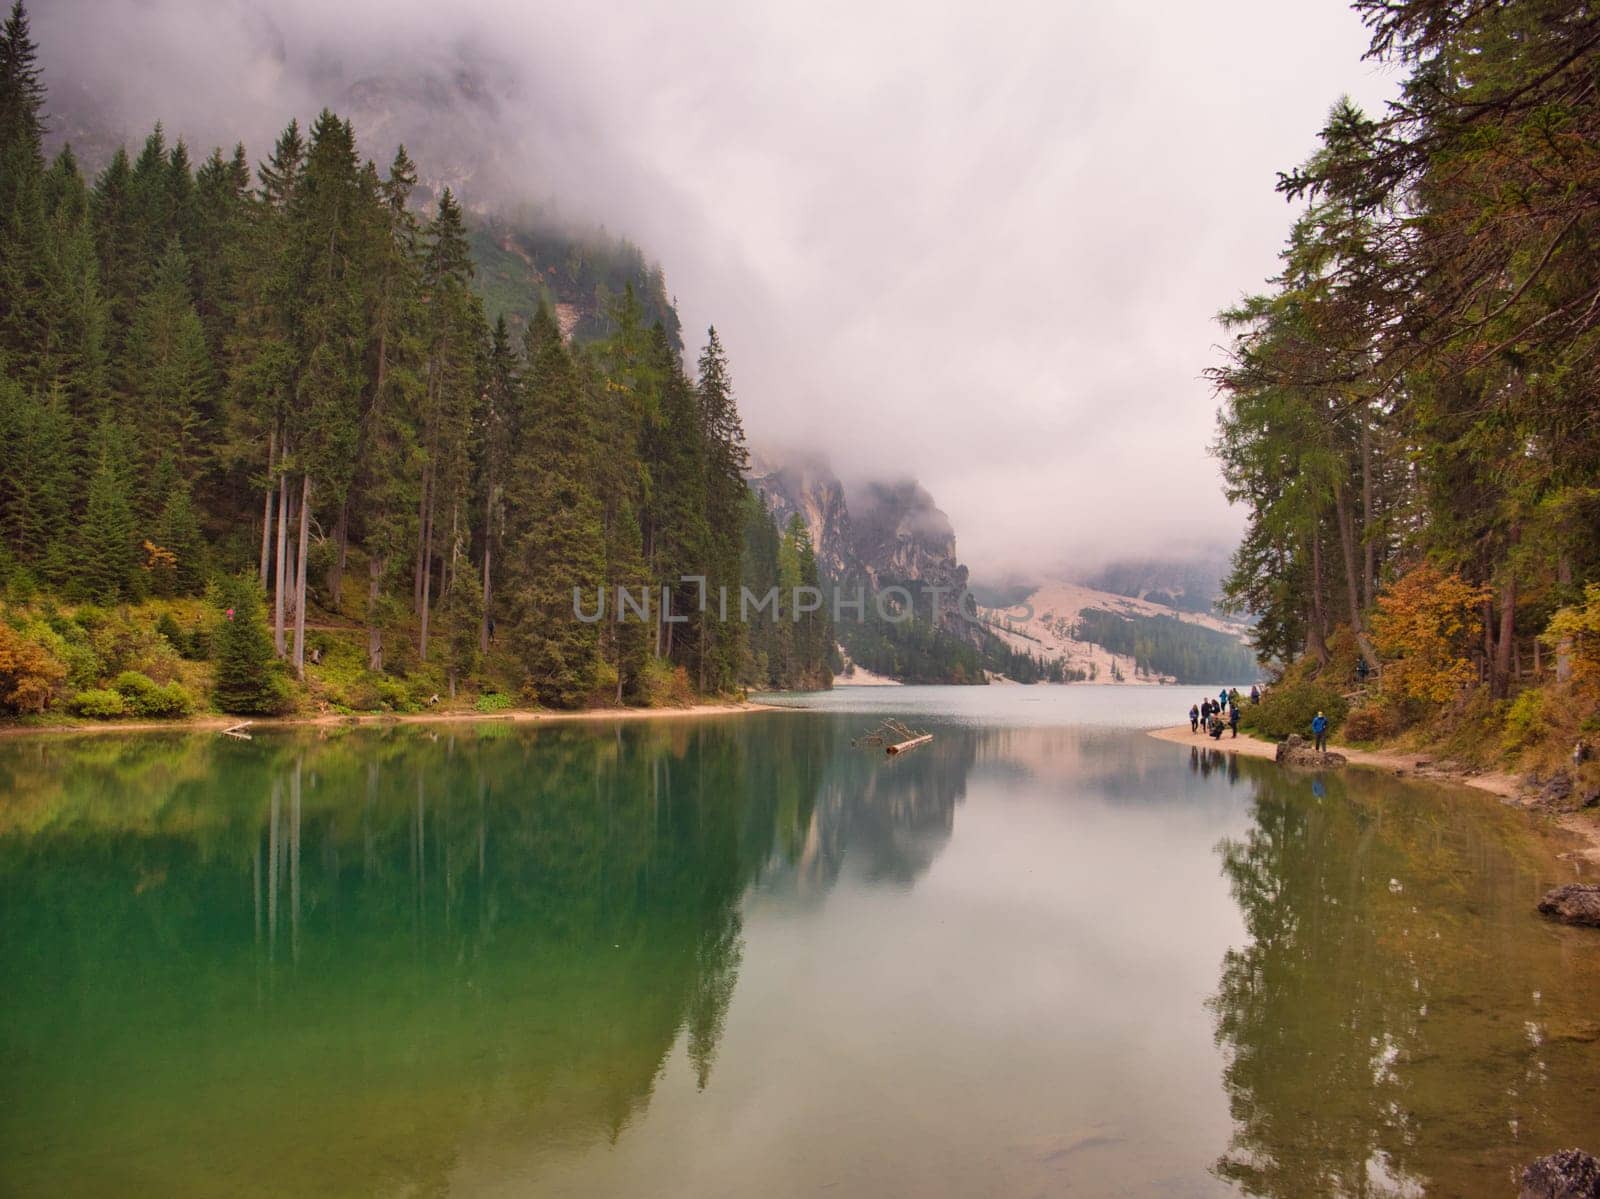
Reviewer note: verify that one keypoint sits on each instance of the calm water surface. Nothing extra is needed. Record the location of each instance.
(1043, 955)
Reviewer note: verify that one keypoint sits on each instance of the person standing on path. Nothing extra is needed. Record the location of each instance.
(1194, 718)
(1319, 730)
(1233, 720)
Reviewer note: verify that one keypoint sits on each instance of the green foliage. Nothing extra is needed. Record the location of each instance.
(99, 704)
(248, 679)
(145, 697)
(491, 701)
(289, 374)
(1290, 706)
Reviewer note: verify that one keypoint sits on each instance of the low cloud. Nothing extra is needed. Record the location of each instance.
(978, 246)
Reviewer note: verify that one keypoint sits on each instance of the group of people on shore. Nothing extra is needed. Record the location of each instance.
(1214, 716)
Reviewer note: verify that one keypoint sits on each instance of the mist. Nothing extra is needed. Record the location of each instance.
(981, 247)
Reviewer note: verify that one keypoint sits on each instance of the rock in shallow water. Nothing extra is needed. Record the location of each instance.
(1569, 1174)
(1573, 903)
(1297, 751)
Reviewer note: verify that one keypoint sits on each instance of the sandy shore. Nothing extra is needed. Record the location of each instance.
(1407, 765)
(215, 724)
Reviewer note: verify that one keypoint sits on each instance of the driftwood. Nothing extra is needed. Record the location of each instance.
(893, 738)
(238, 730)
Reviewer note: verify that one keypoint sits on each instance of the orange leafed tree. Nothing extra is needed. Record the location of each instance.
(29, 674)
(1574, 632)
(1423, 626)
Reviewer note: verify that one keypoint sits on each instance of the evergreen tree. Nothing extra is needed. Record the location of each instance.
(167, 370)
(106, 567)
(247, 679)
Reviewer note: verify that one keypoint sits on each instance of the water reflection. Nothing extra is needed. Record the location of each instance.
(405, 934)
(496, 960)
(1398, 1021)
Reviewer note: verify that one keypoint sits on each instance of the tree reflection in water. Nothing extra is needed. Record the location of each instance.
(1396, 1023)
(220, 953)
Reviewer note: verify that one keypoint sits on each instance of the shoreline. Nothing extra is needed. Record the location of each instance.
(216, 724)
(1415, 766)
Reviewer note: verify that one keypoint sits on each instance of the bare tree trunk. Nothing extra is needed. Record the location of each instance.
(483, 622)
(1369, 546)
(1317, 632)
(1564, 647)
(300, 581)
(283, 553)
(427, 585)
(1347, 547)
(374, 634)
(1508, 622)
(266, 511)
(422, 538)
(341, 551)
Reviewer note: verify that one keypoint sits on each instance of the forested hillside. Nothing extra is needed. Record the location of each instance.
(1409, 411)
(275, 388)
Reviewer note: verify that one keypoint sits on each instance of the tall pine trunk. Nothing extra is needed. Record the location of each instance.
(266, 511)
(1317, 627)
(488, 578)
(427, 584)
(341, 552)
(1369, 545)
(1500, 681)
(374, 634)
(279, 596)
(300, 579)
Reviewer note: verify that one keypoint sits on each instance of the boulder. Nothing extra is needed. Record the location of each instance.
(1573, 903)
(1557, 790)
(1568, 1174)
(1297, 751)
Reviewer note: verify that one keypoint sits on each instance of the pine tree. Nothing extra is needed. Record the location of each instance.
(556, 538)
(247, 678)
(178, 533)
(726, 461)
(167, 369)
(106, 544)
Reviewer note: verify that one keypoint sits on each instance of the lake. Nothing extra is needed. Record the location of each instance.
(1044, 954)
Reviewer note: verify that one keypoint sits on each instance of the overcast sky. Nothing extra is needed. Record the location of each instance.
(977, 244)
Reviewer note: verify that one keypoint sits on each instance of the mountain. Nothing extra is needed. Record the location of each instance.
(883, 535)
(1187, 584)
(1110, 636)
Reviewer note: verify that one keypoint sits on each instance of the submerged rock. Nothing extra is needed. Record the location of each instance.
(1297, 751)
(1573, 903)
(1568, 1174)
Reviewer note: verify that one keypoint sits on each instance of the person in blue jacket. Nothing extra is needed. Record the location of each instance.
(1233, 720)
(1194, 718)
(1222, 699)
(1319, 730)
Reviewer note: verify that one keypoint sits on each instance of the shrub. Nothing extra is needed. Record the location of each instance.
(493, 701)
(393, 695)
(662, 685)
(1371, 722)
(29, 673)
(169, 629)
(1525, 722)
(99, 703)
(145, 697)
(1289, 708)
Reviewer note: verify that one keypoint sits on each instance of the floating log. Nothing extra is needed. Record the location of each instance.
(901, 747)
(238, 730)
